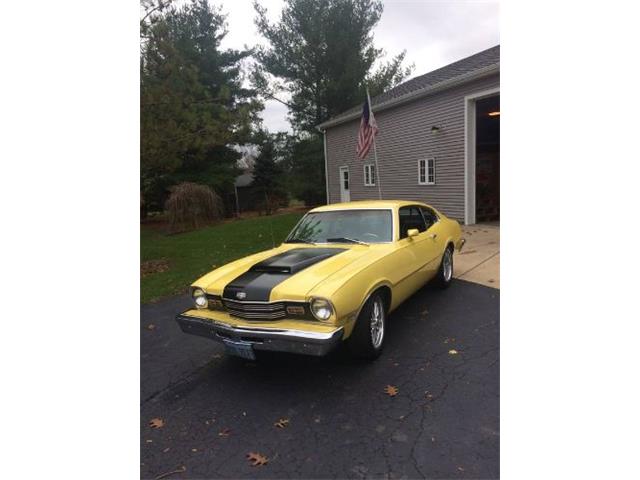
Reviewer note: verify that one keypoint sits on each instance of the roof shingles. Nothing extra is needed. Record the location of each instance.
(466, 66)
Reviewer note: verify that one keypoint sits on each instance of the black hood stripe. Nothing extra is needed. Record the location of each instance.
(256, 283)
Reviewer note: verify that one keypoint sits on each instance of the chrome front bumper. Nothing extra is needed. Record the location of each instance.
(272, 339)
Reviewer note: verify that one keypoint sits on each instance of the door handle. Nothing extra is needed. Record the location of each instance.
(433, 236)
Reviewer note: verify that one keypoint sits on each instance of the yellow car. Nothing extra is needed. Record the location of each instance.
(340, 272)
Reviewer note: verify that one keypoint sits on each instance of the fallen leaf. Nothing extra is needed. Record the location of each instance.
(151, 326)
(453, 352)
(224, 432)
(391, 390)
(257, 459)
(282, 423)
(156, 423)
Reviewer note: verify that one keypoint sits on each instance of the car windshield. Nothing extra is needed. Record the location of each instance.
(343, 226)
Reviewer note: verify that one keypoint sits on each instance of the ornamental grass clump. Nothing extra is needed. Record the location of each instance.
(191, 206)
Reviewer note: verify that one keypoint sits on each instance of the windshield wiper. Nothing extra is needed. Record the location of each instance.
(298, 240)
(346, 240)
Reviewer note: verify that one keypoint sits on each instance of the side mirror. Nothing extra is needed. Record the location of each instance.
(413, 232)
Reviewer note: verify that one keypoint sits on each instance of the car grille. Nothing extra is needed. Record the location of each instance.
(255, 310)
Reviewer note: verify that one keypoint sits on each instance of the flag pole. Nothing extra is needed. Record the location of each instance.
(375, 150)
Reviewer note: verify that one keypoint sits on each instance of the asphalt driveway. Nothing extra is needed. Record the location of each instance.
(442, 354)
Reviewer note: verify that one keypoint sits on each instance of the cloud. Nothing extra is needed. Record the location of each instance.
(436, 33)
(274, 116)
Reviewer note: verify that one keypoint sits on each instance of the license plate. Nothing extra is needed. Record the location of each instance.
(239, 349)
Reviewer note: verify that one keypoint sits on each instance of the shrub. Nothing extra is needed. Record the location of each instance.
(191, 206)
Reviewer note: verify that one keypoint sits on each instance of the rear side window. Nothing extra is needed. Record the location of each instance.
(410, 217)
(429, 215)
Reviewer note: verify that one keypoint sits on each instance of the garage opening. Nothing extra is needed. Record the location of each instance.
(487, 121)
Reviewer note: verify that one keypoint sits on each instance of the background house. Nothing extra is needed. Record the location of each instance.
(438, 142)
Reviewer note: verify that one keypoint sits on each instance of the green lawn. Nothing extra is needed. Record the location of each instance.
(191, 255)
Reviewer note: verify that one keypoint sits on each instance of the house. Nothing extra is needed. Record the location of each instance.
(438, 142)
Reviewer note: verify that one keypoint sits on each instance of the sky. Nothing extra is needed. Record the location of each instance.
(434, 34)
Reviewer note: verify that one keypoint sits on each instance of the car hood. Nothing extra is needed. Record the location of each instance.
(289, 272)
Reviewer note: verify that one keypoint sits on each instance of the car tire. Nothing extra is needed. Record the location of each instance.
(367, 338)
(445, 272)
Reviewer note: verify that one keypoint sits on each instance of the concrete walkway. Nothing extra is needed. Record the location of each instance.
(479, 261)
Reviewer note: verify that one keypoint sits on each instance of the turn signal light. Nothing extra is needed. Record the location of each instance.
(295, 310)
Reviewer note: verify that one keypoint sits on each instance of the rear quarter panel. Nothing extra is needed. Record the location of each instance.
(451, 231)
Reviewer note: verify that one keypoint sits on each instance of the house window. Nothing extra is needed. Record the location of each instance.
(369, 175)
(427, 171)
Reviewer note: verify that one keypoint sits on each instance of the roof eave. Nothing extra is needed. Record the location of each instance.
(423, 92)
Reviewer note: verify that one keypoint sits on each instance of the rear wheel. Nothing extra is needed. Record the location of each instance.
(445, 273)
(367, 338)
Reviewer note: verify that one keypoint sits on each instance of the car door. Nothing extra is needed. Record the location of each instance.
(415, 253)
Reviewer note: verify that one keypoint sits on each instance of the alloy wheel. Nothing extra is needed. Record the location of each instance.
(447, 265)
(377, 323)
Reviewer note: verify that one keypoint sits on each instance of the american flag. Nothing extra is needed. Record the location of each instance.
(368, 130)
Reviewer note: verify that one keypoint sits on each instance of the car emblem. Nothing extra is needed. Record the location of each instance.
(241, 295)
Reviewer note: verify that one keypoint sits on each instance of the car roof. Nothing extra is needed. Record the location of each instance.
(366, 204)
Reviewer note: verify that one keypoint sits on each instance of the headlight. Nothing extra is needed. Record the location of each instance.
(199, 298)
(321, 308)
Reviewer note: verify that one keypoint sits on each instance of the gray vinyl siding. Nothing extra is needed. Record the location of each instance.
(404, 138)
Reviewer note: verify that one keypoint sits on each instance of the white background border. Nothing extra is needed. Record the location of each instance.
(569, 227)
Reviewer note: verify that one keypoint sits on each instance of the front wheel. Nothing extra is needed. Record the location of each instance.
(367, 338)
(445, 272)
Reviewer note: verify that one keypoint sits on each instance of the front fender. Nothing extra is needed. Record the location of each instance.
(351, 297)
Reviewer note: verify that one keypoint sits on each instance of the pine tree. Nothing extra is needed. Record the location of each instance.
(268, 178)
(322, 53)
(193, 104)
